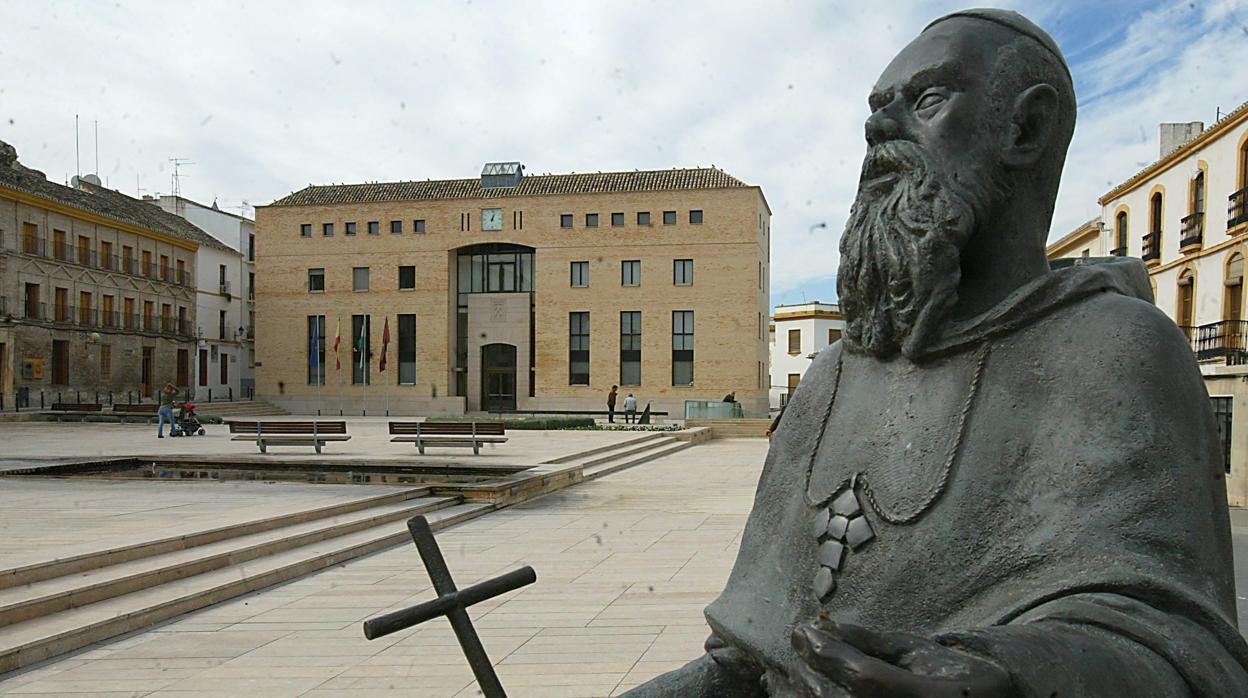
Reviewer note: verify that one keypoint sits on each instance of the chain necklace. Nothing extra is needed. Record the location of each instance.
(856, 479)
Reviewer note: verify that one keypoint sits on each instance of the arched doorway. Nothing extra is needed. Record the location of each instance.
(498, 377)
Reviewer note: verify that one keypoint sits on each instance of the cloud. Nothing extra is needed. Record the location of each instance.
(266, 98)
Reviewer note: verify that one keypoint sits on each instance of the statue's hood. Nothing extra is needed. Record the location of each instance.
(1068, 281)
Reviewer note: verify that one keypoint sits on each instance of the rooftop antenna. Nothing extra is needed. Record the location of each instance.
(177, 175)
(77, 158)
(97, 146)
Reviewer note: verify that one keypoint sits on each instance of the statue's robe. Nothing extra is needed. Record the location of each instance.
(1081, 540)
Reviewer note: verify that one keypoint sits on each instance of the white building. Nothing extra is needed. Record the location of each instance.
(224, 365)
(798, 333)
(1186, 216)
(1085, 241)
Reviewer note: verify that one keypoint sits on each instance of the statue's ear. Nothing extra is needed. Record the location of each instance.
(1035, 118)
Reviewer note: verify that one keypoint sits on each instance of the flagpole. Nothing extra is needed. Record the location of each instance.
(338, 359)
(365, 364)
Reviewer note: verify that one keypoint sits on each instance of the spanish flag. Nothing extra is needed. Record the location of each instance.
(337, 341)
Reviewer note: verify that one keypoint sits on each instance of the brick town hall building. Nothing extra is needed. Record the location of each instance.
(513, 291)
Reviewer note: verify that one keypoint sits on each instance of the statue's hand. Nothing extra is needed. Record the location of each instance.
(840, 659)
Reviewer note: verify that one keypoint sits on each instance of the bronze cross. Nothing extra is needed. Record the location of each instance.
(451, 603)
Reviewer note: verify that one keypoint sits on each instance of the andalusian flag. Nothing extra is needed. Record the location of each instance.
(337, 341)
(385, 344)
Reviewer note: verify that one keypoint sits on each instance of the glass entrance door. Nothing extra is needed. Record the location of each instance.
(498, 377)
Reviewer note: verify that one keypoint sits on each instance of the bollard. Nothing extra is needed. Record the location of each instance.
(41, 399)
(58, 396)
(210, 395)
(77, 397)
(231, 393)
(129, 398)
(110, 398)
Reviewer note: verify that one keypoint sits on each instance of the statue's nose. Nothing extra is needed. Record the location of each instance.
(882, 127)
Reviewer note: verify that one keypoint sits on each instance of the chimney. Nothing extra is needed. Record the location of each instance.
(1175, 136)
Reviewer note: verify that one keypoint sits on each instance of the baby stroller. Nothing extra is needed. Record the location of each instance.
(185, 423)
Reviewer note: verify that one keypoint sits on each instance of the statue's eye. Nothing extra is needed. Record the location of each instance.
(929, 101)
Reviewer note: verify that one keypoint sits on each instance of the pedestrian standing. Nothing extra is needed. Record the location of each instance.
(630, 409)
(165, 412)
(611, 404)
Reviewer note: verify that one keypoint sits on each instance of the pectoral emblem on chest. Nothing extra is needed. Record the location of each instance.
(838, 528)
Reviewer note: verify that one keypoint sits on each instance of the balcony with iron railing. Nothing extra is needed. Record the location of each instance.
(1119, 251)
(110, 319)
(1219, 340)
(1237, 209)
(33, 309)
(34, 245)
(4, 309)
(186, 328)
(223, 286)
(1152, 247)
(1193, 231)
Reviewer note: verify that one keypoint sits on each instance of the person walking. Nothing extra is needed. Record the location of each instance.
(611, 404)
(165, 412)
(630, 409)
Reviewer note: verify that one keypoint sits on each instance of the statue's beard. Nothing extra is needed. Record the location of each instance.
(901, 251)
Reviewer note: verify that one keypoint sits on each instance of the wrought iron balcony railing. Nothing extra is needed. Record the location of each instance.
(1119, 251)
(1152, 246)
(34, 245)
(1193, 229)
(1237, 208)
(1217, 340)
(34, 310)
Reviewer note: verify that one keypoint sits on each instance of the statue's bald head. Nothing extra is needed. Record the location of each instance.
(1021, 56)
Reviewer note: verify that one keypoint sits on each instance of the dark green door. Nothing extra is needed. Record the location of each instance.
(498, 377)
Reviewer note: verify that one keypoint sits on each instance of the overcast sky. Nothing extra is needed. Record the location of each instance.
(267, 97)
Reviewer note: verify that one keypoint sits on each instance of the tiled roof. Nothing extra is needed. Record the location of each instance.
(100, 201)
(530, 185)
(1179, 152)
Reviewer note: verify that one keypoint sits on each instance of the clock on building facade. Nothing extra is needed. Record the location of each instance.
(491, 219)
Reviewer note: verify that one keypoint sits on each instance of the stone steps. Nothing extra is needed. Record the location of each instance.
(18, 604)
(65, 613)
(733, 428)
(628, 458)
(30, 574)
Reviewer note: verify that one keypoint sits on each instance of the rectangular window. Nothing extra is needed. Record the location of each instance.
(1222, 410)
(350, 228)
(251, 248)
(359, 278)
(147, 264)
(149, 314)
(84, 251)
(184, 367)
(795, 341)
(327, 229)
(396, 227)
(305, 230)
(834, 335)
(106, 255)
(315, 344)
(374, 227)
(669, 218)
(794, 379)
(60, 304)
(84, 308)
(222, 331)
(630, 272)
(407, 278)
(682, 347)
(580, 274)
(107, 317)
(578, 349)
(643, 218)
(361, 350)
(682, 272)
(617, 219)
(106, 363)
(225, 369)
(316, 281)
(203, 367)
(695, 217)
(407, 350)
(418, 225)
(630, 348)
(565, 220)
(181, 270)
(127, 259)
(591, 220)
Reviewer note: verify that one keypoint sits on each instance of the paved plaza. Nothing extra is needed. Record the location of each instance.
(625, 565)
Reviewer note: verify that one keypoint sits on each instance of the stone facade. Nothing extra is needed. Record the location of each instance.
(97, 291)
(728, 293)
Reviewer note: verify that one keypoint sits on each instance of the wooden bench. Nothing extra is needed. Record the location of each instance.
(424, 434)
(265, 434)
(136, 409)
(76, 407)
